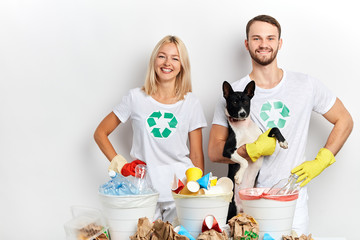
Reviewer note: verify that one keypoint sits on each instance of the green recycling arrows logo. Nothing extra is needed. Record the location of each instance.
(161, 124)
(275, 113)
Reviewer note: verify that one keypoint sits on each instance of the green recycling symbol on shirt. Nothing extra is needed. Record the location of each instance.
(161, 124)
(275, 114)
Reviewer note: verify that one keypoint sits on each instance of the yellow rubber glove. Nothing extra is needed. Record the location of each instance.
(117, 163)
(310, 169)
(263, 146)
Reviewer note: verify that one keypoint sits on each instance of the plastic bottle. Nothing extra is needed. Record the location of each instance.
(140, 182)
(112, 174)
(118, 185)
(108, 188)
(285, 186)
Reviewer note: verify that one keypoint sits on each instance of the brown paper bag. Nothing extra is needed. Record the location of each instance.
(158, 230)
(243, 226)
(212, 235)
(302, 237)
(144, 230)
(164, 230)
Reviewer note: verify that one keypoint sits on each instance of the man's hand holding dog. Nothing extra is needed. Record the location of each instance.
(263, 146)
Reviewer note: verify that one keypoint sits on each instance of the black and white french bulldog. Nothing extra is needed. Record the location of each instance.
(242, 130)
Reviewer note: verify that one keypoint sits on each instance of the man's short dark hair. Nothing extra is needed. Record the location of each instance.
(263, 18)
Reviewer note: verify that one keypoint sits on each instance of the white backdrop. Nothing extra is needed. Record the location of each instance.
(65, 63)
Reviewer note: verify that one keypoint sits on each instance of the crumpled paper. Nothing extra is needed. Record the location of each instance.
(212, 235)
(164, 230)
(144, 230)
(243, 226)
(294, 236)
(158, 230)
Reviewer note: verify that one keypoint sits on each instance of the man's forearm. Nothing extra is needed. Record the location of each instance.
(343, 125)
(215, 154)
(339, 135)
(243, 153)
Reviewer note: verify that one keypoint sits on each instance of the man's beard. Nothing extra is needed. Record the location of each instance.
(264, 62)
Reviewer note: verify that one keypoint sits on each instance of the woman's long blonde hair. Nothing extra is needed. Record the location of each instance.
(183, 79)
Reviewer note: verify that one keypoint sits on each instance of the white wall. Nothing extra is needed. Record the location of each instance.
(65, 63)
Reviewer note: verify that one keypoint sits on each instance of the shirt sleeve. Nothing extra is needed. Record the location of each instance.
(219, 113)
(324, 99)
(123, 109)
(198, 119)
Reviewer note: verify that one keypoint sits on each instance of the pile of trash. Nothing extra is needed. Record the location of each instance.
(196, 184)
(241, 226)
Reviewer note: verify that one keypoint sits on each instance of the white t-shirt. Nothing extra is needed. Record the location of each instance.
(287, 106)
(160, 135)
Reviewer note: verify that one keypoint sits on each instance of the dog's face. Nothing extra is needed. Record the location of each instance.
(238, 103)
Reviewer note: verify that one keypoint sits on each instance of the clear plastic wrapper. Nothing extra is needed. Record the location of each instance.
(86, 224)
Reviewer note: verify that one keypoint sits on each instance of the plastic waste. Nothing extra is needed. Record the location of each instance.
(140, 181)
(285, 186)
(86, 223)
(118, 185)
(268, 237)
(182, 231)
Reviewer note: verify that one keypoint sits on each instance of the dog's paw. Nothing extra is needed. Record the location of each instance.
(283, 144)
(237, 179)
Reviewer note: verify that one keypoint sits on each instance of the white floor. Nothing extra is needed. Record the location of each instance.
(329, 238)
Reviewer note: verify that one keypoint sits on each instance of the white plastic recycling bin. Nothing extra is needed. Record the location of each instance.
(122, 212)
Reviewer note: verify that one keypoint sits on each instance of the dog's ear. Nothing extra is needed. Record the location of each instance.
(250, 89)
(227, 89)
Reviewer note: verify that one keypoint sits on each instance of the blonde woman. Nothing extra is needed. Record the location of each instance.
(167, 121)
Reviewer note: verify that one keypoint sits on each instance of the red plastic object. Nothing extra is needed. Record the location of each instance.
(210, 220)
(129, 168)
(180, 186)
